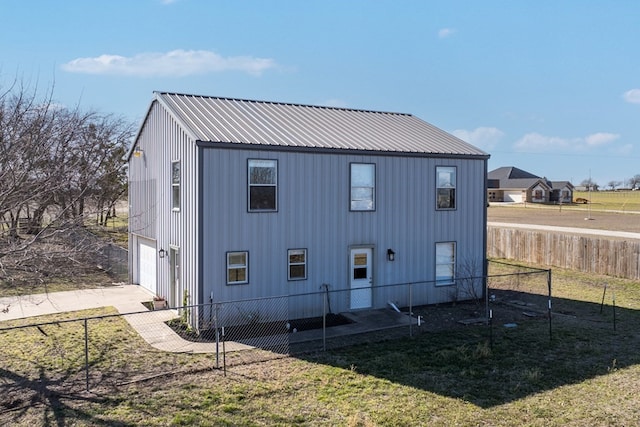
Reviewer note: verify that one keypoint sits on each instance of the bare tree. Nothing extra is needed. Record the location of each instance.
(614, 184)
(634, 182)
(588, 183)
(57, 167)
(469, 280)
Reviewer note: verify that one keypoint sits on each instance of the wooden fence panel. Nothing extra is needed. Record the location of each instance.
(590, 254)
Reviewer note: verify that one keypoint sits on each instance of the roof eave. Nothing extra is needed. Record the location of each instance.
(331, 150)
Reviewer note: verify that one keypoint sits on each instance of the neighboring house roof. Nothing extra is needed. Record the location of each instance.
(561, 184)
(509, 172)
(236, 121)
(523, 183)
(511, 178)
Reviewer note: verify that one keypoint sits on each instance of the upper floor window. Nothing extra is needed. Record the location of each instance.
(297, 259)
(363, 187)
(175, 185)
(263, 185)
(445, 263)
(446, 187)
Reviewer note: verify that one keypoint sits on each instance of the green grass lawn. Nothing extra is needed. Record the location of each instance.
(611, 200)
(588, 374)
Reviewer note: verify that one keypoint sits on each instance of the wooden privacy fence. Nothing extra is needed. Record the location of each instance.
(591, 254)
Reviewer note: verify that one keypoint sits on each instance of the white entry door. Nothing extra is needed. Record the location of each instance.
(361, 277)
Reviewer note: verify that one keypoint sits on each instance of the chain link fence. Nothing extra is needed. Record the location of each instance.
(110, 350)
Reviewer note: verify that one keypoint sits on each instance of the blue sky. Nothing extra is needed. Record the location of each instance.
(551, 87)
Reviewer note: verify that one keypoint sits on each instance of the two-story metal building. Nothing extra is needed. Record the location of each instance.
(233, 199)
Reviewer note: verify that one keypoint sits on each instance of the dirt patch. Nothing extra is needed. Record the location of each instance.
(565, 216)
(240, 332)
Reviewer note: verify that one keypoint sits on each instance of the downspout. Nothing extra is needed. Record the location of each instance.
(199, 234)
(485, 267)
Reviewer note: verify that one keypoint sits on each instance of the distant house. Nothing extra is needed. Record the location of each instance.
(510, 184)
(235, 199)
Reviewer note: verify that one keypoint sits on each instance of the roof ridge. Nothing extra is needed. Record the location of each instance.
(293, 104)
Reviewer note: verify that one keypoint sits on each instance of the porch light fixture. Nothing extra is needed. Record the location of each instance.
(138, 152)
(391, 256)
(162, 253)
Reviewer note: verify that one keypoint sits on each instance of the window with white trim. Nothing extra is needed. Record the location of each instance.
(445, 187)
(445, 263)
(263, 185)
(175, 185)
(297, 264)
(363, 187)
(237, 268)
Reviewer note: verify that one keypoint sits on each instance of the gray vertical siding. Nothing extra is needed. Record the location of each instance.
(313, 213)
(163, 141)
(313, 199)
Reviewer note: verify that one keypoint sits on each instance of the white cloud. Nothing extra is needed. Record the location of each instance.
(541, 143)
(483, 137)
(600, 138)
(443, 33)
(176, 63)
(632, 96)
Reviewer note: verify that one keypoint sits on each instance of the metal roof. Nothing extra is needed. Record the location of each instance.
(510, 172)
(225, 120)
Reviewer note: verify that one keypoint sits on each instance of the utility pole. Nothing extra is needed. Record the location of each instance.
(589, 205)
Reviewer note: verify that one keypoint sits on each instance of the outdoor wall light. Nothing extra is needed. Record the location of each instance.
(162, 253)
(138, 152)
(391, 256)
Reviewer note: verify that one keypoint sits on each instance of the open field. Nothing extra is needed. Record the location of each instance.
(622, 201)
(588, 374)
(566, 216)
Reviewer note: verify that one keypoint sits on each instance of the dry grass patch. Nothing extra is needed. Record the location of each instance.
(587, 374)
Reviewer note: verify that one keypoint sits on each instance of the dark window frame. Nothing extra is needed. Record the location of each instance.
(290, 264)
(237, 267)
(454, 264)
(451, 191)
(253, 188)
(176, 178)
(373, 188)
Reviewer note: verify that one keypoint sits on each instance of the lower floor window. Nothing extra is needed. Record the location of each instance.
(237, 268)
(445, 263)
(297, 264)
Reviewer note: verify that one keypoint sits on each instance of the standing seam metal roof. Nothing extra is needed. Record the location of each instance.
(213, 119)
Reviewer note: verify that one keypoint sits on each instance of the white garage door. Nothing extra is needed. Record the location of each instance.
(513, 196)
(147, 266)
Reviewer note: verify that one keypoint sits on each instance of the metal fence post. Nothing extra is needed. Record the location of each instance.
(215, 325)
(549, 286)
(410, 310)
(485, 285)
(614, 312)
(86, 353)
(324, 319)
